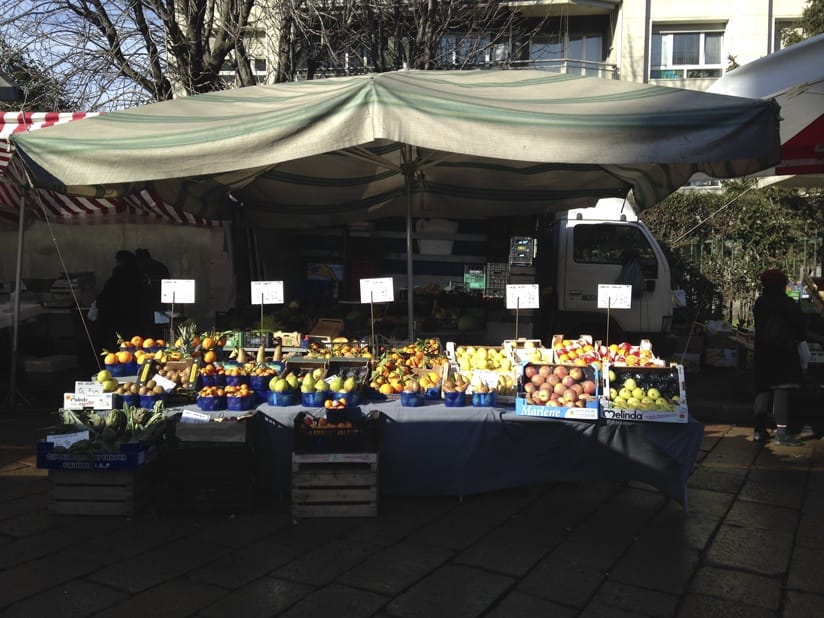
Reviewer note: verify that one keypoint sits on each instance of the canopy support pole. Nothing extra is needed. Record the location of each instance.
(18, 279)
(409, 180)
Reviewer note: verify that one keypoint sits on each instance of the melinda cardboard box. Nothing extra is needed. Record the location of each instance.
(648, 394)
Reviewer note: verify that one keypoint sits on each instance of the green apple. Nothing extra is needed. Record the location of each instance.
(613, 377)
(630, 384)
(104, 375)
(654, 394)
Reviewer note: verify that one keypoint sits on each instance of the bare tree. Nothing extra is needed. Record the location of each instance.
(112, 54)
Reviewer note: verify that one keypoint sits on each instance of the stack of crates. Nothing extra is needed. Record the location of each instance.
(335, 467)
(496, 277)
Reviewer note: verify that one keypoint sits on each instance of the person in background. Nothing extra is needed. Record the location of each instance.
(118, 303)
(779, 327)
(152, 272)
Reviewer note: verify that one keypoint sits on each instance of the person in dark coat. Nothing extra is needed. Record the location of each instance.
(152, 272)
(779, 327)
(119, 302)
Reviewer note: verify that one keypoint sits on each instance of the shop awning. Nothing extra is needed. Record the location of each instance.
(141, 207)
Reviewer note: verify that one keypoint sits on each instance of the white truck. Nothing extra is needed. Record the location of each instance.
(587, 247)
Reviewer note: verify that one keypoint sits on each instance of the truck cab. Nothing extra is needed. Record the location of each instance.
(589, 246)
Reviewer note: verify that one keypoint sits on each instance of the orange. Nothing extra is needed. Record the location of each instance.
(124, 356)
(110, 358)
(208, 343)
(160, 343)
(209, 356)
(137, 341)
(386, 389)
(148, 342)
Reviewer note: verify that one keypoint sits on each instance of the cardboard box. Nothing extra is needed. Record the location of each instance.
(128, 456)
(590, 413)
(327, 328)
(668, 380)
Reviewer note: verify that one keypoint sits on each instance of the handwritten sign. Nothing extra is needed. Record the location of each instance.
(379, 290)
(613, 296)
(267, 292)
(522, 296)
(181, 291)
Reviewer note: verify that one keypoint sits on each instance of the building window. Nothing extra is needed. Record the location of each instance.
(684, 52)
(575, 53)
(470, 49)
(785, 28)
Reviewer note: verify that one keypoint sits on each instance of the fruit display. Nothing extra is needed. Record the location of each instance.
(560, 386)
(645, 389)
(473, 359)
(528, 351)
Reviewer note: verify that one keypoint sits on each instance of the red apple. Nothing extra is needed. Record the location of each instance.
(576, 373)
(560, 388)
(529, 371)
(589, 387)
(568, 381)
(545, 370)
(553, 379)
(560, 371)
(537, 379)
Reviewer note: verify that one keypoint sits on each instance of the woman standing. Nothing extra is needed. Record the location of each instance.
(779, 327)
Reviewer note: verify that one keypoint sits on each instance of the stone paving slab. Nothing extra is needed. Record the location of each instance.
(762, 551)
(170, 599)
(452, 590)
(264, 596)
(738, 586)
(73, 599)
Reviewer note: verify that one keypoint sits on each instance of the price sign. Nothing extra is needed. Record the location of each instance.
(379, 290)
(180, 291)
(613, 296)
(88, 388)
(522, 296)
(267, 292)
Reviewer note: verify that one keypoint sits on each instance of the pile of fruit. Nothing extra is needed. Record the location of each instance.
(473, 360)
(583, 351)
(560, 386)
(652, 389)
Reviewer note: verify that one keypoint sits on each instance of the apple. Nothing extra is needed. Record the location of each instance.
(530, 388)
(590, 387)
(568, 381)
(630, 384)
(654, 394)
(542, 396)
(560, 388)
(553, 379)
(578, 388)
(560, 371)
(576, 373)
(529, 371)
(545, 370)
(537, 379)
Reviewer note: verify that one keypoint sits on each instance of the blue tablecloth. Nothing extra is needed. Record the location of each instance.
(436, 450)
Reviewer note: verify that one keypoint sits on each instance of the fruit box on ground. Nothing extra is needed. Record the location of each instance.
(653, 394)
(556, 380)
(359, 435)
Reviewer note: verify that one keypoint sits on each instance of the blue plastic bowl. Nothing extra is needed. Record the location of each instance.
(314, 400)
(240, 404)
(287, 398)
(211, 404)
(454, 399)
(352, 399)
(484, 400)
(412, 400)
(148, 401)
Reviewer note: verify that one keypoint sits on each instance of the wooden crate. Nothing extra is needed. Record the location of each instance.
(100, 492)
(335, 485)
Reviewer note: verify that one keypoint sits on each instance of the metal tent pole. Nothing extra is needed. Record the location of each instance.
(18, 278)
(409, 176)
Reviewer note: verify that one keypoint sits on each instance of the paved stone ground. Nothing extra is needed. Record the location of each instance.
(750, 545)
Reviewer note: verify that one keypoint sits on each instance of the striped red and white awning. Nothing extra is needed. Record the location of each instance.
(138, 208)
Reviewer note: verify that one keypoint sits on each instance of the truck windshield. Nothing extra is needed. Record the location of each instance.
(607, 243)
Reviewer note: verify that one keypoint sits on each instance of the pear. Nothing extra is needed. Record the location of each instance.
(277, 385)
(349, 384)
(261, 355)
(292, 381)
(336, 384)
(104, 375)
(317, 373)
(321, 386)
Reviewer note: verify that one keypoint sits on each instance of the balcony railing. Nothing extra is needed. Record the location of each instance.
(566, 66)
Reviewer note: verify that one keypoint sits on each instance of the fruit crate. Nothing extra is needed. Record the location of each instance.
(551, 391)
(334, 485)
(667, 381)
(363, 436)
(100, 492)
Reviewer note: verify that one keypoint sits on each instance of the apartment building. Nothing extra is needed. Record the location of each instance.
(668, 42)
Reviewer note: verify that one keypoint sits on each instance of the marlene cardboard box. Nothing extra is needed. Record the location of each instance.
(558, 391)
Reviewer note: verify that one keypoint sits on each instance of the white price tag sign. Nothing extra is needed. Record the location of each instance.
(166, 383)
(613, 296)
(88, 388)
(267, 292)
(177, 291)
(190, 416)
(379, 290)
(522, 296)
